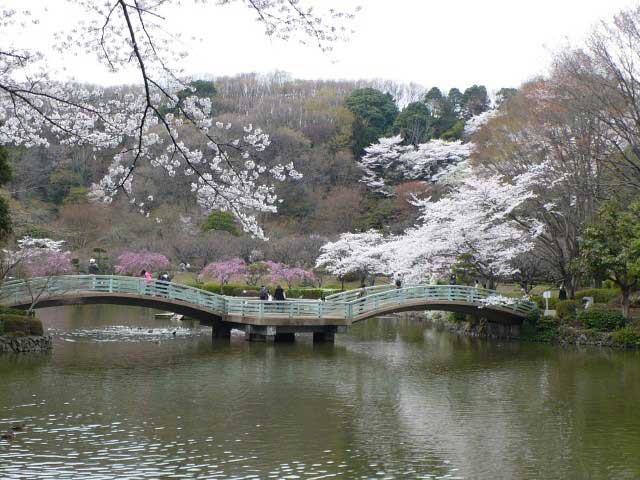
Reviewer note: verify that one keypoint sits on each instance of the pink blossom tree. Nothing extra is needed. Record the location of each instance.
(46, 263)
(37, 261)
(280, 271)
(134, 262)
(223, 271)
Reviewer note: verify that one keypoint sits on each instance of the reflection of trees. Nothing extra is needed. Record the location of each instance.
(391, 395)
(503, 410)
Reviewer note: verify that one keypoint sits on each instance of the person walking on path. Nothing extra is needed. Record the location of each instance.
(562, 293)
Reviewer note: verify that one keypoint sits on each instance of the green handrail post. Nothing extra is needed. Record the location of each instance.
(110, 284)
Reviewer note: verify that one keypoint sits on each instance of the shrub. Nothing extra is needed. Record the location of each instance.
(13, 311)
(601, 318)
(309, 293)
(457, 317)
(553, 301)
(627, 336)
(252, 291)
(14, 324)
(544, 330)
(533, 317)
(600, 295)
(566, 311)
(35, 326)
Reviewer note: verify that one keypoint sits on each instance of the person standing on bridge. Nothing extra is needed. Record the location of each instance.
(362, 296)
(264, 293)
(278, 296)
(147, 277)
(93, 267)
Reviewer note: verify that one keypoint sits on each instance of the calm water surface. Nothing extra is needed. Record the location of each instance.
(122, 397)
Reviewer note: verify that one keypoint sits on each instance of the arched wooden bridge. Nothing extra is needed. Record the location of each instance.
(268, 320)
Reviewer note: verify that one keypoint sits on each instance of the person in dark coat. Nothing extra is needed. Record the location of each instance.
(278, 295)
(93, 267)
(264, 293)
(562, 294)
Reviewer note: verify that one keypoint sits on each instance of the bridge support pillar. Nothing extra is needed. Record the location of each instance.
(220, 330)
(268, 334)
(325, 336)
(285, 337)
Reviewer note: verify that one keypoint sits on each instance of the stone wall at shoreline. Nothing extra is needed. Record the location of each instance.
(10, 344)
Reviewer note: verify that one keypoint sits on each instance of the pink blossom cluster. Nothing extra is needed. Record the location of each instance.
(44, 263)
(280, 271)
(223, 271)
(134, 262)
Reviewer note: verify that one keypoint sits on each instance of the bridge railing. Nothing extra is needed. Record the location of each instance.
(344, 306)
(349, 295)
(25, 291)
(392, 297)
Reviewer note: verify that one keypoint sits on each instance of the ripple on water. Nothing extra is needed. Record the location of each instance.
(118, 401)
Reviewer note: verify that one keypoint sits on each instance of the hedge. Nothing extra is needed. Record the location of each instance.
(600, 295)
(627, 336)
(253, 291)
(601, 318)
(566, 311)
(545, 329)
(20, 325)
(35, 327)
(13, 311)
(14, 324)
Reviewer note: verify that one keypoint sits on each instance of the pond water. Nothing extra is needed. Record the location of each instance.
(126, 395)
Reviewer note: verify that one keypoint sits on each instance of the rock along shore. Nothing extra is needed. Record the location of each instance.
(10, 344)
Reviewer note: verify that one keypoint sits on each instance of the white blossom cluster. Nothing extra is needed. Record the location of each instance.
(390, 160)
(475, 123)
(354, 252)
(228, 171)
(477, 219)
(28, 247)
(27, 243)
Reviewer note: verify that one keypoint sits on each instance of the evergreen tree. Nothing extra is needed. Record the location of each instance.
(414, 123)
(475, 101)
(375, 113)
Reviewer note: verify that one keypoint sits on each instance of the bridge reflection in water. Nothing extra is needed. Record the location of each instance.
(265, 320)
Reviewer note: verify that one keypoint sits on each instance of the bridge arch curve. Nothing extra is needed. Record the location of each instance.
(341, 309)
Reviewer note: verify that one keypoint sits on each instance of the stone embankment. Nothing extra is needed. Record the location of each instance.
(10, 344)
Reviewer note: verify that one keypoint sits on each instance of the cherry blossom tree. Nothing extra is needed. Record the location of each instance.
(280, 271)
(224, 271)
(37, 261)
(133, 262)
(43, 263)
(355, 253)
(475, 221)
(228, 171)
(480, 221)
(391, 161)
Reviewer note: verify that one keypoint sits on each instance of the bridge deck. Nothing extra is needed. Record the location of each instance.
(340, 309)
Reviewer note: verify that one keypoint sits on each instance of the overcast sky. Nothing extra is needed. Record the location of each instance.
(492, 42)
